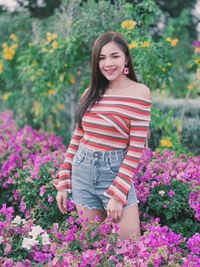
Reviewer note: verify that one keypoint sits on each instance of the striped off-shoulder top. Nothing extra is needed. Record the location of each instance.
(115, 122)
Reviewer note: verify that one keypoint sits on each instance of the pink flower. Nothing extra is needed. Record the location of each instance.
(42, 190)
(193, 244)
(8, 212)
(171, 193)
(22, 206)
(50, 199)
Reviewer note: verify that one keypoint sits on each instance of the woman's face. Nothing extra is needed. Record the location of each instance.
(112, 61)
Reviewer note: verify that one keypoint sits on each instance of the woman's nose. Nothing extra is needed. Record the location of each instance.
(108, 62)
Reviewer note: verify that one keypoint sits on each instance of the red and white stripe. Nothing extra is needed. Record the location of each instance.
(115, 122)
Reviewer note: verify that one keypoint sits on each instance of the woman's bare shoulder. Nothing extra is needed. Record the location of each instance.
(138, 90)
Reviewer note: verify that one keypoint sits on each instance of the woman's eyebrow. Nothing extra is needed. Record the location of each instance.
(114, 53)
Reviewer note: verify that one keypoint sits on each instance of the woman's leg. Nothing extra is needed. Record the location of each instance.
(89, 215)
(129, 225)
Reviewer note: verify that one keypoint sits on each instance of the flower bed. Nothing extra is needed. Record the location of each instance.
(34, 233)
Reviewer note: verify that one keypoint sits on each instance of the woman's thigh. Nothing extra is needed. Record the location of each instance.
(129, 225)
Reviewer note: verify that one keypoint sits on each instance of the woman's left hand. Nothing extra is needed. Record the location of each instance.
(114, 209)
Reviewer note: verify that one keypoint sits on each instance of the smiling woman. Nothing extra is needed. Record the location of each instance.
(108, 141)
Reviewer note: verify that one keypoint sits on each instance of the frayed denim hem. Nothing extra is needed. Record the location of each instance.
(89, 208)
(126, 207)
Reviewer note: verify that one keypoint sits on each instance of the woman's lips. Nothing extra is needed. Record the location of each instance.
(110, 72)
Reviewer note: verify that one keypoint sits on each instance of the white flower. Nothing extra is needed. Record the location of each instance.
(18, 220)
(45, 239)
(1, 239)
(36, 230)
(161, 193)
(29, 242)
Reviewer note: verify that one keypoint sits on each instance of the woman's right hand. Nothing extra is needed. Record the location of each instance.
(61, 199)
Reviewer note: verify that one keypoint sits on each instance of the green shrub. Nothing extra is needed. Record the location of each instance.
(173, 210)
(190, 137)
(39, 196)
(191, 107)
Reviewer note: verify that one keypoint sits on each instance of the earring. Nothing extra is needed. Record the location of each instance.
(126, 70)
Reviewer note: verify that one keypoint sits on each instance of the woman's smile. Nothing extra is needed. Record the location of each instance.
(110, 71)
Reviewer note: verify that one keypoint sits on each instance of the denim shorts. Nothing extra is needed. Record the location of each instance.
(92, 173)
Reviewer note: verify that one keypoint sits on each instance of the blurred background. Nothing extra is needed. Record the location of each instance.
(45, 56)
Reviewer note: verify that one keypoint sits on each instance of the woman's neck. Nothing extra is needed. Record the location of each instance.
(119, 83)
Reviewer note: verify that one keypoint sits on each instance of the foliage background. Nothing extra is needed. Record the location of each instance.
(50, 66)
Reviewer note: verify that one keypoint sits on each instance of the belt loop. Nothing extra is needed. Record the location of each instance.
(117, 155)
(110, 155)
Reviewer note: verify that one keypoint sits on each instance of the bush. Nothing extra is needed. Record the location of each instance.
(38, 196)
(171, 204)
(191, 107)
(191, 135)
(42, 236)
(167, 186)
(166, 124)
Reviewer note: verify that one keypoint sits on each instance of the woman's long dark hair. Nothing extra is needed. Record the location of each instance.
(98, 82)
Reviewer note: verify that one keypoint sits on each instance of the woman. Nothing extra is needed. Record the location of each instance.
(108, 141)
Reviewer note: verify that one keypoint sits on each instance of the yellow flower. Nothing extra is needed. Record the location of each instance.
(161, 193)
(13, 37)
(8, 53)
(55, 44)
(128, 24)
(6, 96)
(72, 79)
(52, 92)
(1, 66)
(190, 87)
(37, 108)
(145, 44)
(51, 36)
(173, 42)
(166, 143)
(133, 44)
(197, 61)
(60, 106)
